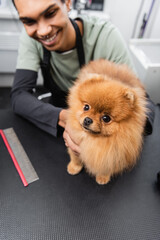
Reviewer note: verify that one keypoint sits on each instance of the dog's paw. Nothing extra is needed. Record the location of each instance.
(73, 168)
(102, 179)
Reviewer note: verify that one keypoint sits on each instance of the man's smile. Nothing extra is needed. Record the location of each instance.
(48, 41)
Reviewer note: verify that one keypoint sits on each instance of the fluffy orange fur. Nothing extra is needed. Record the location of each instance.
(107, 112)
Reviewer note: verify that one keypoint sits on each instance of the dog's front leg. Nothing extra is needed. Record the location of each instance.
(75, 165)
(102, 179)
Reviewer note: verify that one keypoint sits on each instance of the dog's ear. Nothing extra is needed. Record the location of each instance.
(130, 96)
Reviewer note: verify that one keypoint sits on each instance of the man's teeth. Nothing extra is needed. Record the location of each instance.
(51, 39)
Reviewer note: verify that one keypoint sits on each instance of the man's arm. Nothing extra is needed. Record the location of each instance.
(150, 116)
(43, 115)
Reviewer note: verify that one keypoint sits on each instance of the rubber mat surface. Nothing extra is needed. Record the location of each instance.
(63, 207)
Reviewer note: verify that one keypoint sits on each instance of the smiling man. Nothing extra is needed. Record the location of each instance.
(48, 23)
(59, 46)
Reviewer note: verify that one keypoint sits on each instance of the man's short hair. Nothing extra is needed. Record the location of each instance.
(63, 1)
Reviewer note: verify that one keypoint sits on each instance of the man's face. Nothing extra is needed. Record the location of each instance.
(47, 22)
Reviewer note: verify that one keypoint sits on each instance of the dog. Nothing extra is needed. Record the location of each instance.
(107, 114)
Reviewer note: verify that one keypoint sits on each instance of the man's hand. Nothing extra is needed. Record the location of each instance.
(68, 134)
(63, 118)
(70, 141)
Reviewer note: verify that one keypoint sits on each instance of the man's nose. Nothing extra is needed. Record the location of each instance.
(43, 29)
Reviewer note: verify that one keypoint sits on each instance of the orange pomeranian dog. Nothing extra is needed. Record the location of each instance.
(107, 113)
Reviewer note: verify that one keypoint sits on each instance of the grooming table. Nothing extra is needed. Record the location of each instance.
(63, 207)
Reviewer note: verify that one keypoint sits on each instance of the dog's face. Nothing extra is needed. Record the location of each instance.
(101, 106)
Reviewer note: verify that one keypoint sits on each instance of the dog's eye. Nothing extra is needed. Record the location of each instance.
(106, 118)
(86, 107)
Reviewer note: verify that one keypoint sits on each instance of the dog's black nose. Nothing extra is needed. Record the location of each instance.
(87, 121)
